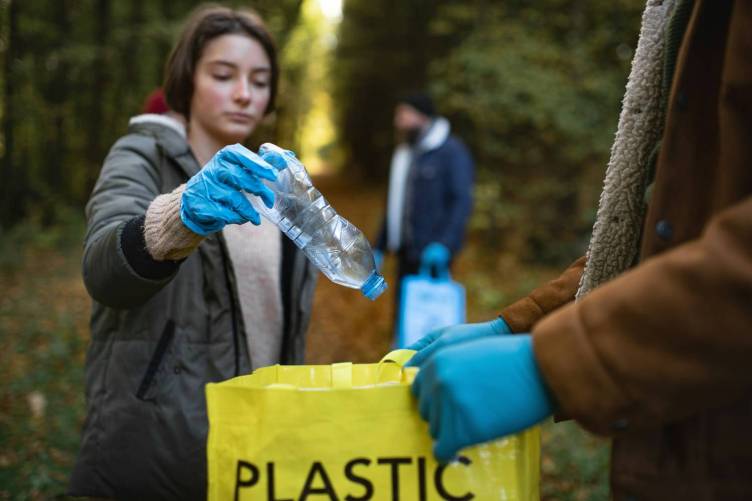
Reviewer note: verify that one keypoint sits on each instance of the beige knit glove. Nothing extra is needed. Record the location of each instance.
(166, 236)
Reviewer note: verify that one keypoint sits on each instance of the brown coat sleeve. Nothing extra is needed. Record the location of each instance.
(523, 314)
(663, 341)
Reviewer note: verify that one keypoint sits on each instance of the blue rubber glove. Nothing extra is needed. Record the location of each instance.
(428, 344)
(435, 255)
(479, 391)
(214, 196)
(276, 156)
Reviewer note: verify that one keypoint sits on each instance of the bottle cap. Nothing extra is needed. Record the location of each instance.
(373, 286)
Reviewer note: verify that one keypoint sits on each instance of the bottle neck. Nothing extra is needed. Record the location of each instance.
(374, 286)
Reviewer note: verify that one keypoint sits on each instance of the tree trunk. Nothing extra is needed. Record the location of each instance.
(291, 18)
(163, 46)
(12, 191)
(95, 120)
(132, 57)
(55, 163)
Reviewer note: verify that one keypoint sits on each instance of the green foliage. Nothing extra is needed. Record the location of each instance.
(44, 334)
(382, 52)
(536, 94)
(301, 55)
(38, 451)
(575, 464)
(76, 72)
(42, 340)
(534, 89)
(62, 231)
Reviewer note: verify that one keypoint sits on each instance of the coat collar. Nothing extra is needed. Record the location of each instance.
(172, 138)
(615, 240)
(435, 136)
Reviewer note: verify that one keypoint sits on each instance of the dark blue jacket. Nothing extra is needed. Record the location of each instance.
(438, 200)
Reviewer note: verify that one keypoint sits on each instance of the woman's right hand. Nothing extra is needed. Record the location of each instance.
(215, 197)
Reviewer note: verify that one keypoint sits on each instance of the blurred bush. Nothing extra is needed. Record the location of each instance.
(63, 230)
(536, 94)
(73, 73)
(534, 90)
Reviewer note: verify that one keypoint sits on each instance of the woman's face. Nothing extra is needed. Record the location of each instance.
(231, 88)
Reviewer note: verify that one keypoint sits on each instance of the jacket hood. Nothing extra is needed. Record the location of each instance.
(160, 120)
(171, 135)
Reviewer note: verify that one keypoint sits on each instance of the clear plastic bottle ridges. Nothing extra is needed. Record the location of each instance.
(331, 242)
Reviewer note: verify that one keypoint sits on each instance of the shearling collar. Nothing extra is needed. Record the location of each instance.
(614, 244)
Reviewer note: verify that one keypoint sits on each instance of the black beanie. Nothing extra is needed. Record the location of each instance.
(421, 102)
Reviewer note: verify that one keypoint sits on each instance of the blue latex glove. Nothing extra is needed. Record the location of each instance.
(378, 259)
(428, 344)
(479, 391)
(435, 255)
(274, 157)
(214, 196)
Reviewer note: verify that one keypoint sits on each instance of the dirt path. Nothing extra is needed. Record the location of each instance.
(345, 326)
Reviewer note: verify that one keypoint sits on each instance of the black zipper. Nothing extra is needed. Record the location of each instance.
(156, 359)
(233, 311)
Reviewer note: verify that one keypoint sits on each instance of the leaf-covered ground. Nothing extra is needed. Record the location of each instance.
(44, 332)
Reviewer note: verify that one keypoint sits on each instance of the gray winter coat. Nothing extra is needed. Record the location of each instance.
(161, 331)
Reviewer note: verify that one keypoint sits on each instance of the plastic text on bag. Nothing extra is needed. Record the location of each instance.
(318, 480)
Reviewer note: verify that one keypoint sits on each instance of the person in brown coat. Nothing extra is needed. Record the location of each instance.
(656, 350)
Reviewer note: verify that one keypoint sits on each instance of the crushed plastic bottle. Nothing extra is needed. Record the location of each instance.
(331, 242)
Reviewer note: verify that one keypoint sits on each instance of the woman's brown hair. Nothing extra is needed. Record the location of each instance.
(204, 24)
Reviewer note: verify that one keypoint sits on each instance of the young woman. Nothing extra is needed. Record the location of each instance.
(184, 293)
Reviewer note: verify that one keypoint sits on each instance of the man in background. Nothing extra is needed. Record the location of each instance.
(430, 191)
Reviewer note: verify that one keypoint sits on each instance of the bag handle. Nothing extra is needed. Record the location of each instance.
(399, 357)
(389, 368)
(342, 375)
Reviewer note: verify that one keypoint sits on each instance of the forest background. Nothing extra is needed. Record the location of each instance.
(534, 89)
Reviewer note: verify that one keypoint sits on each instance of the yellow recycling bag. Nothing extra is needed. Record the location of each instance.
(348, 432)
